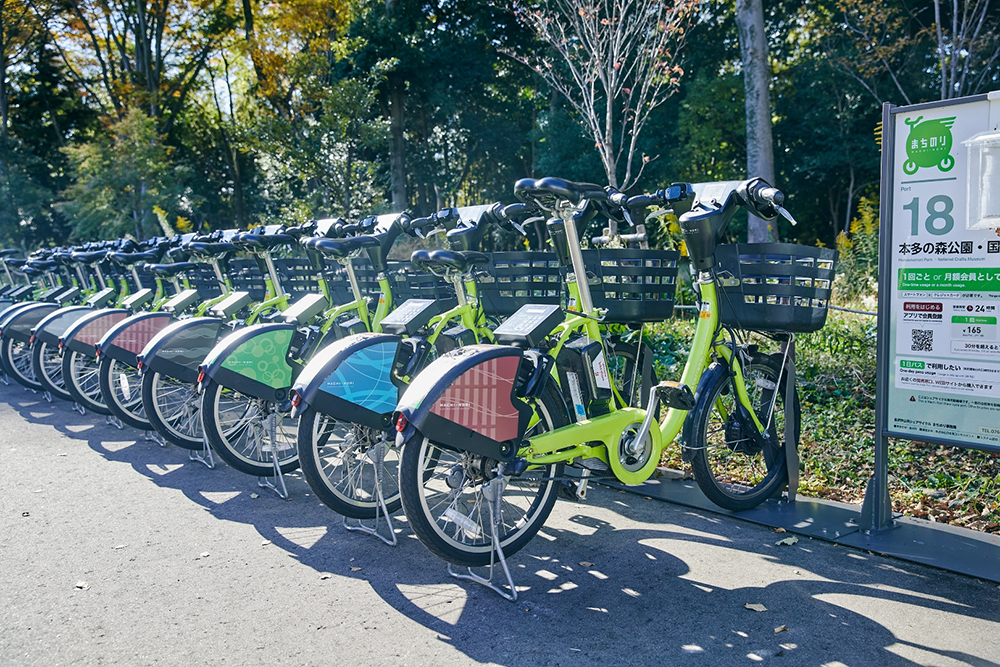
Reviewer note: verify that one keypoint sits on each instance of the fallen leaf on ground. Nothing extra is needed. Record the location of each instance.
(325, 575)
(205, 554)
(584, 563)
(82, 585)
(255, 495)
(25, 514)
(265, 543)
(780, 628)
(754, 606)
(780, 530)
(787, 542)
(355, 569)
(120, 546)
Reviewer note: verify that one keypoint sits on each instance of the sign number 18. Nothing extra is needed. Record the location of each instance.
(939, 220)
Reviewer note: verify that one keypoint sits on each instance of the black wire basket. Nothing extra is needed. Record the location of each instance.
(514, 279)
(632, 284)
(782, 287)
(406, 283)
(296, 275)
(204, 280)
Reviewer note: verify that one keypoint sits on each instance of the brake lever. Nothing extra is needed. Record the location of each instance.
(785, 214)
(658, 213)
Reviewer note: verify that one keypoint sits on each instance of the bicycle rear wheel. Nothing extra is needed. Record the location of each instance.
(17, 360)
(121, 387)
(81, 372)
(244, 431)
(733, 469)
(442, 493)
(339, 460)
(46, 364)
(173, 409)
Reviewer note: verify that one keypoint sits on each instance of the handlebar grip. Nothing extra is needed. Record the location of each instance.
(768, 196)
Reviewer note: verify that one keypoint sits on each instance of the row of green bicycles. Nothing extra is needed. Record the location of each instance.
(468, 389)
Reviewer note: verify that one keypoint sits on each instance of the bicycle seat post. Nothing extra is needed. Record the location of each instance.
(566, 211)
(273, 272)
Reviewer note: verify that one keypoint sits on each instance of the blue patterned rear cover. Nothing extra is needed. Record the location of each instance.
(365, 378)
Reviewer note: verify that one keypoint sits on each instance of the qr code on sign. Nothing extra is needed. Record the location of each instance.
(922, 340)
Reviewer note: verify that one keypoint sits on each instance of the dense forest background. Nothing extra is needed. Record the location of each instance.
(128, 116)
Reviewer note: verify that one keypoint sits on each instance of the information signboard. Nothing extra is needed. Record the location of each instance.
(941, 284)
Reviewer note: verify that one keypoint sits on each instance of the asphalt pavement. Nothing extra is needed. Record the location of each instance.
(114, 551)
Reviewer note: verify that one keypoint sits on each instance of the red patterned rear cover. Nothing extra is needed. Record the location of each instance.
(480, 401)
(135, 336)
(94, 330)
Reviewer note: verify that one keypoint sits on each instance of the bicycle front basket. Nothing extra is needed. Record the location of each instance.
(515, 279)
(782, 287)
(634, 285)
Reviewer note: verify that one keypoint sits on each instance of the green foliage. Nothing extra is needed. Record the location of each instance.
(120, 177)
(857, 265)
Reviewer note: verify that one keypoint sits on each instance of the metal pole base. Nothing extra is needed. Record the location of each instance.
(111, 420)
(380, 508)
(47, 396)
(493, 492)
(204, 456)
(5, 379)
(150, 436)
(79, 408)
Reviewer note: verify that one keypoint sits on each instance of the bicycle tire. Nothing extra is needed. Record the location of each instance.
(236, 427)
(127, 407)
(422, 485)
(342, 473)
(81, 375)
(173, 409)
(730, 470)
(46, 363)
(17, 363)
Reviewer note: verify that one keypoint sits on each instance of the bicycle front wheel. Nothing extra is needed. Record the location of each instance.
(442, 493)
(121, 388)
(339, 461)
(246, 431)
(734, 469)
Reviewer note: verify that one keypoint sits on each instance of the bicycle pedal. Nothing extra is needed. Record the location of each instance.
(675, 395)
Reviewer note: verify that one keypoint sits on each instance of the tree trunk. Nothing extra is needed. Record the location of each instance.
(238, 190)
(397, 146)
(756, 79)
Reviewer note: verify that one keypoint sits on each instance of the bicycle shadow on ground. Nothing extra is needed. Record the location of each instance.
(634, 577)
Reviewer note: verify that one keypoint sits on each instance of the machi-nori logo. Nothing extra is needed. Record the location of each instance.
(929, 144)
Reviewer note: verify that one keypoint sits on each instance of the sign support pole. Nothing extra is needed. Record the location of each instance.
(876, 512)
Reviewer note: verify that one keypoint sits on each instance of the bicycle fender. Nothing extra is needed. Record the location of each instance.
(20, 324)
(11, 311)
(467, 400)
(56, 322)
(179, 348)
(352, 380)
(708, 378)
(125, 340)
(82, 335)
(254, 361)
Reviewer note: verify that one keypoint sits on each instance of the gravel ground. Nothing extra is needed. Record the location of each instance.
(115, 551)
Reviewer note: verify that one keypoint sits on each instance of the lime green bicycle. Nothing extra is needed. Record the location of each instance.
(486, 437)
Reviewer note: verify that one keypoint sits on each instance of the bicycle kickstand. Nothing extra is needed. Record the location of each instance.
(278, 485)
(493, 493)
(377, 455)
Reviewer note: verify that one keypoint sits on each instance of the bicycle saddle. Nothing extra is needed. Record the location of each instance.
(203, 249)
(341, 248)
(461, 261)
(30, 271)
(43, 264)
(544, 189)
(130, 258)
(90, 257)
(251, 241)
(170, 270)
(14, 262)
(9, 252)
